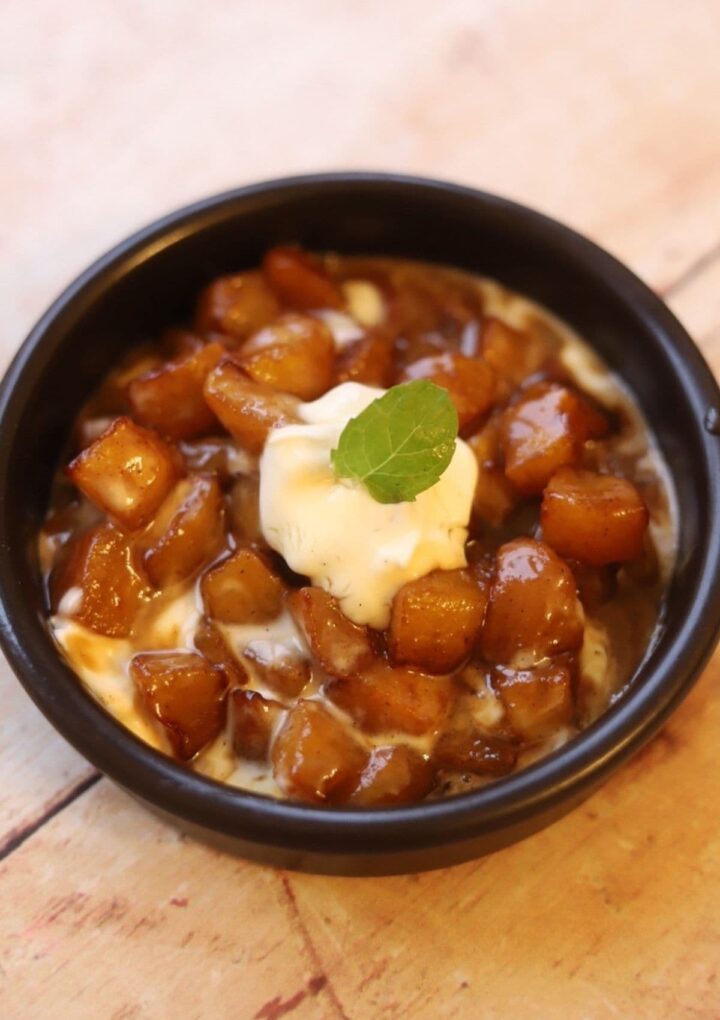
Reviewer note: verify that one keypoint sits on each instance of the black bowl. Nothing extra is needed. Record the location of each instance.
(149, 281)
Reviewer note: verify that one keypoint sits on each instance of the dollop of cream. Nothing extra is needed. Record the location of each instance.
(336, 534)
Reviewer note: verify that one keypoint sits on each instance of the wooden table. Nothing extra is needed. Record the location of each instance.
(604, 114)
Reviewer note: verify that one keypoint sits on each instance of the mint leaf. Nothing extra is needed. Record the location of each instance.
(401, 443)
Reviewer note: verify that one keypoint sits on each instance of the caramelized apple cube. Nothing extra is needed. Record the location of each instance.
(537, 701)
(99, 583)
(277, 667)
(236, 305)
(394, 775)
(187, 532)
(170, 398)
(210, 642)
(299, 280)
(533, 610)
(247, 409)
(596, 519)
(242, 589)
(368, 360)
(315, 757)
(185, 693)
(127, 472)
(513, 353)
(295, 354)
(244, 509)
(253, 720)
(468, 749)
(470, 382)
(544, 432)
(495, 496)
(386, 699)
(436, 619)
(341, 647)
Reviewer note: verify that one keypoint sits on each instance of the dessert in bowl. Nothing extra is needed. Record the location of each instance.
(319, 638)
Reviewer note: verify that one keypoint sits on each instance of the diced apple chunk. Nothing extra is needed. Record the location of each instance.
(244, 509)
(513, 354)
(277, 667)
(236, 305)
(596, 519)
(127, 472)
(544, 432)
(299, 280)
(315, 756)
(387, 699)
(537, 701)
(467, 749)
(253, 719)
(185, 693)
(170, 398)
(103, 571)
(341, 647)
(470, 382)
(495, 496)
(187, 531)
(242, 589)
(295, 354)
(210, 642)
(394, 775)
(247, 409)
(368, 360)
(533, 610)
(436, 619)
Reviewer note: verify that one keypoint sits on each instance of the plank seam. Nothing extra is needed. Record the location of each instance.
(691, 272)
(310, 947)
(16, 840)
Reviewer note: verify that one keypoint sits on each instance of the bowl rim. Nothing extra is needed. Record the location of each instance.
(572, 770)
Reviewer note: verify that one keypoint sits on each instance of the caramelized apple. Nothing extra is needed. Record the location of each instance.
(537, 701)
(367, 360)
(212, 645)
(247, 409)
(127, 472)
(470, 382)
(99, 583)
(341, 647)
(394, 775)
(242, 589)
(544, 432)
(533, 610)
(387, 699)
(596, 519)
(185, 693)
(244, 509)
(187, 531)
(170, 398)
(315, 757)
(236, 305)
(299, 280)
(436, 619)
(495, 496)
(253, 719)
(513, 353)
(295, 354)
(277, 667)
(468, 749)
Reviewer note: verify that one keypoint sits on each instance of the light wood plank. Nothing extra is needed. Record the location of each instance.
(107, 912)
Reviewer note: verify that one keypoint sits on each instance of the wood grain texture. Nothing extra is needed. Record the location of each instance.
(605, 115)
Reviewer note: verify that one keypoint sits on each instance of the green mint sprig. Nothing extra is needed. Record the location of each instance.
(400, 445)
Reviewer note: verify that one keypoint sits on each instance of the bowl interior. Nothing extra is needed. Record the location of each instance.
(152, 280)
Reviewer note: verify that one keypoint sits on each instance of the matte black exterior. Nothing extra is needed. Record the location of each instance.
(150, 281)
